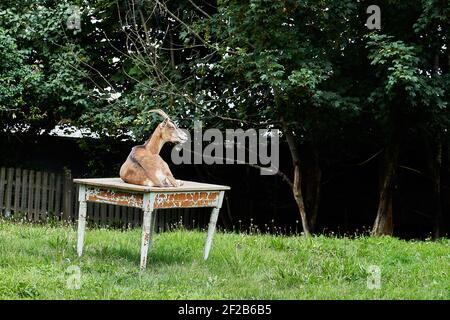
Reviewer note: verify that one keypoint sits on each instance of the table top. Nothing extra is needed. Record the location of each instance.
(117, 183)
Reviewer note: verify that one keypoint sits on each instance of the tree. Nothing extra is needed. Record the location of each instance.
(433, 26)
(284, 57)
(233, 61)
(310, 68)
(15, 77)
(409, 88)
(42, 88)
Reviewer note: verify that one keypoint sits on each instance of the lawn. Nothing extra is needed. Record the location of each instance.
(40, 262)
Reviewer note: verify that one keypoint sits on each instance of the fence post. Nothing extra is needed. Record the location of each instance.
(67, 195)
(17, 188)
(58, 195)
(51, 194)
(2, 188)
(76, 203)
(8, 195)
(43, 212)
(37, 196)
(23, 202)
(30, 195)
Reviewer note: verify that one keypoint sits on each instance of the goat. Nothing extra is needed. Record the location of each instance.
(144, 166)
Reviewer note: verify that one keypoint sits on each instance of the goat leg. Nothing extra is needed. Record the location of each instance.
(173, 181)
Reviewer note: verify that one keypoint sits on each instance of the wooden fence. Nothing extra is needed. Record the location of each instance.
(38, 196)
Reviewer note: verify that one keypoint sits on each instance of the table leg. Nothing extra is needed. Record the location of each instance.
(81, 226)
(147, 232)
(81, 219)
(153, 226)
(211, 230)
(212, 226)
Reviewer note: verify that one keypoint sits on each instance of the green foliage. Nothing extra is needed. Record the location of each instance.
(43, 86)
(307, 62)
(401, 65)
(14, 75)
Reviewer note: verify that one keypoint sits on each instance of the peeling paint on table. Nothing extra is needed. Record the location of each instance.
(115, 191)
(114, 197)
(186, 200)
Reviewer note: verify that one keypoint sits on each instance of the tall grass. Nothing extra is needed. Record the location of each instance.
(40, 262)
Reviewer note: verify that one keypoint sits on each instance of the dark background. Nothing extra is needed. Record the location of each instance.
(348, 200)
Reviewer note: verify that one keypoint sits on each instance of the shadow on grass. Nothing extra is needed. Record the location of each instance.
(154, 257)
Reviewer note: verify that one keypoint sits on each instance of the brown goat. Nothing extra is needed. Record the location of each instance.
(144, 165)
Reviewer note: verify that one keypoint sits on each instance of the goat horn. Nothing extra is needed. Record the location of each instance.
(161, 113)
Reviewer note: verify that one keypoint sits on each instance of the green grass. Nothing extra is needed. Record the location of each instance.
(38, 262)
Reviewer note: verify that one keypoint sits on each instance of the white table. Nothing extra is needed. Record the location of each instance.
(115, 191)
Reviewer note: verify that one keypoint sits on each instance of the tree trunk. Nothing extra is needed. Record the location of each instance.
(436, 167)
(297, 191)
(311, 185)
(297, 183)
(384, 220)
(445, 179)
(172, 53)
(436, 176)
